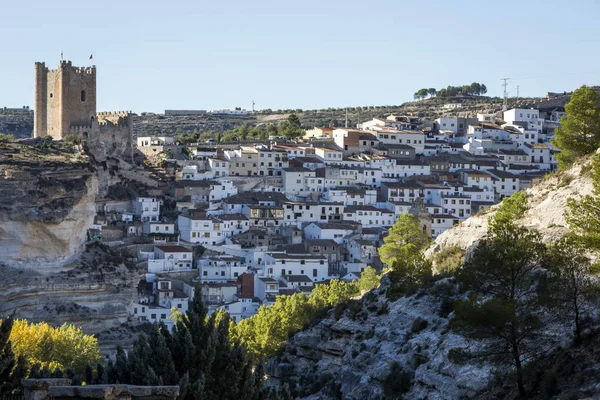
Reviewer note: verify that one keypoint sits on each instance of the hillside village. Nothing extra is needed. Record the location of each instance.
(247, 223)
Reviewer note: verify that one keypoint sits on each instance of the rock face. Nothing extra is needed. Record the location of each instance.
(47, 202)
(94, 296)
(547, 201)
(380, 349)
(48, 196)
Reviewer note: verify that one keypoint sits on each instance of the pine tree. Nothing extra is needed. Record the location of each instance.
(139, 362)
(406, 230)
(121, 369)
(7, 357)
(579, 131)
(19, 373)
(111, 373)
(503, 270)
(100, 375)
(89, 375)
(572, 282)
(162, 361)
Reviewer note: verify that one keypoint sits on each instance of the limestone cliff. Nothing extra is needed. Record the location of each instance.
(48, 196)
(546, 201)
(47, 202)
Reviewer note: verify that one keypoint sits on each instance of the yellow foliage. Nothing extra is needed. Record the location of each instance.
(63, 347)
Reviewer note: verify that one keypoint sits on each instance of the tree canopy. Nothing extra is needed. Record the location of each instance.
(406, 230)
(474, 89)
(579, 132)
(65, 347)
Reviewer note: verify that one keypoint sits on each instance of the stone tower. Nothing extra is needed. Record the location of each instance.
(64, 97)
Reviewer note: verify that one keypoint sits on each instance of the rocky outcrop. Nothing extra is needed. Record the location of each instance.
(547, 201)
(381, 349)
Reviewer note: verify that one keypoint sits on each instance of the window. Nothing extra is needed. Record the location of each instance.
(83, 95)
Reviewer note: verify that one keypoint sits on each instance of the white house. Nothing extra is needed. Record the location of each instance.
(211, 230)
(328, 155)
(168, 258)
(221, 268)
(147, 208)
(369, 216)
(279, 265)
(329, 230)
(505, 183)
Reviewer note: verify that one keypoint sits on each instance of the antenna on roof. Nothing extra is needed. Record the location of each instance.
(505, 102)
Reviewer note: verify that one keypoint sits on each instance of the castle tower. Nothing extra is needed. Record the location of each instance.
(64, 97)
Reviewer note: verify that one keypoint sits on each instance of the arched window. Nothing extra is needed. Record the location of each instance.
(51, 95)
(83, 95)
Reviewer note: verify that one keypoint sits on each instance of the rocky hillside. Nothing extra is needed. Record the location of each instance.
(47, 200)
(17, 122)
(374, 348)
(547, 201)
(93, 292)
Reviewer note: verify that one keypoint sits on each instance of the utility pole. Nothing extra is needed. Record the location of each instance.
(505, 102)
(346, 118)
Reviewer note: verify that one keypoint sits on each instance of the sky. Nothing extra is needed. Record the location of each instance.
(198, 54)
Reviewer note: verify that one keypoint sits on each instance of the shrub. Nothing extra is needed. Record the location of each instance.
(384, 309)
(448, 260)
(418, 325)
(458, 355)
(397, 382)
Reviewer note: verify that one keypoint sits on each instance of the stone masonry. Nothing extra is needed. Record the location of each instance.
(61, 389)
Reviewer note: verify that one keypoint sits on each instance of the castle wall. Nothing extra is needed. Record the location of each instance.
(63, 97)
(41, 93)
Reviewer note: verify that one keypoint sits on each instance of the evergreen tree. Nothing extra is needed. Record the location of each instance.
(182, 349)
(294, 121)
(57, 373)
(410, 269)
(583, 215)
(503, 270)
(571, 280)
(111, 373)
(406, 230)
(121, 369)
(101, 378)
(89, 375)
(162, 361)
(368, 279)
(579, 131)
(7, 357)
(139, 362)
(34, 372)
(19, 373)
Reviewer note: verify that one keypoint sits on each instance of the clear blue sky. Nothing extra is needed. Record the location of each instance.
(199, 54)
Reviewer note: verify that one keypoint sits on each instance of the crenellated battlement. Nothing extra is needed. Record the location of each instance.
(113, 114)
(79, 129)
(65, 101)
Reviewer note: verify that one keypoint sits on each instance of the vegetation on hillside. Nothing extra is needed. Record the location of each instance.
(474, 89)
(265, 333)
(579, 132)
(291, 128)
(39, 350)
